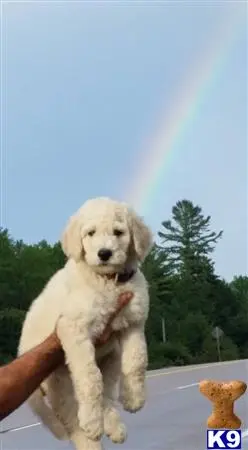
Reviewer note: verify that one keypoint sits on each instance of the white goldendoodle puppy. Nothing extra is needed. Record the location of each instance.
(104, 242)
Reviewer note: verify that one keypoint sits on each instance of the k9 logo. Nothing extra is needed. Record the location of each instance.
(223, 439)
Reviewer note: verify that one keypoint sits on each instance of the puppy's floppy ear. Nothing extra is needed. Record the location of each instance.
(141, 235)
(71, 240)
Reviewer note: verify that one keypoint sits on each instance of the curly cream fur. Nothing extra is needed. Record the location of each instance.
(80, 401)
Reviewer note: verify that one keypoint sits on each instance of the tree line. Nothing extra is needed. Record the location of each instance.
(195, 315)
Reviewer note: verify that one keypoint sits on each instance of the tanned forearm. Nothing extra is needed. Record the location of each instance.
(21, 377)
(27, 372)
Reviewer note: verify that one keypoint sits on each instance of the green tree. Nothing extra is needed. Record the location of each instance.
(239, 286)
(158, 274)
(188, 239)
(189, 242)
(11, 320)
(8, 271)
(209, 352)
(185, 292)
(168, 354)
(239, 322)
(24, 271)
(36, 264)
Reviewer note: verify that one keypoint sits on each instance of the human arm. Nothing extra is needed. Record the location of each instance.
(21, 377)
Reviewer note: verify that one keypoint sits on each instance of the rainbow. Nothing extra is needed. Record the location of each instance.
(186, 106)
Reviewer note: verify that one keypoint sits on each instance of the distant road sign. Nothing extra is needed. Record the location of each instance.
(217, 332)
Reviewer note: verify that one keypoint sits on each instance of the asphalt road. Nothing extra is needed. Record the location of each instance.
(174, 417)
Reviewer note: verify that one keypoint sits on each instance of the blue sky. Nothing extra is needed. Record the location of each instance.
(83, 84)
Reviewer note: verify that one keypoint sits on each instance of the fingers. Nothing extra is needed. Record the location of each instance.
(123, 299)
(104, 337)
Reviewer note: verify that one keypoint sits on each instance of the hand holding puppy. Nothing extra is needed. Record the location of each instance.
(40, 361)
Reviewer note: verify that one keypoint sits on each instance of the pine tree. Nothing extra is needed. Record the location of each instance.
(188, 240)
(158, 274)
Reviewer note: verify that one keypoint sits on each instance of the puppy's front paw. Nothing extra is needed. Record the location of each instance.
(132, 395)
(91, 422)
(134, 403)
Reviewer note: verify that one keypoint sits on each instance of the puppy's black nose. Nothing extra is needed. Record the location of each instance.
(104, 254)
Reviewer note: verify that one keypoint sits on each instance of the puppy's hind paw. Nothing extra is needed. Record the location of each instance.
(93, 430)
(114, 428)
(119, 434)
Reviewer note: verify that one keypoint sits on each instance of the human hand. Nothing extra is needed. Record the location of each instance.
(123, 300)
(41, 361)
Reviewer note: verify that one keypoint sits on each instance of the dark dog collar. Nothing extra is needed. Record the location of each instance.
(122, 277)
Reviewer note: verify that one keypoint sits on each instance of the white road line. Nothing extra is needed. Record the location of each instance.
(174, 389)
(187, 386)
(245, 434)
(10, 430)
(158, 374)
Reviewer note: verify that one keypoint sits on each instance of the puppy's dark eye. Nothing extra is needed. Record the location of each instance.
(91, 233)
(118, 232)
